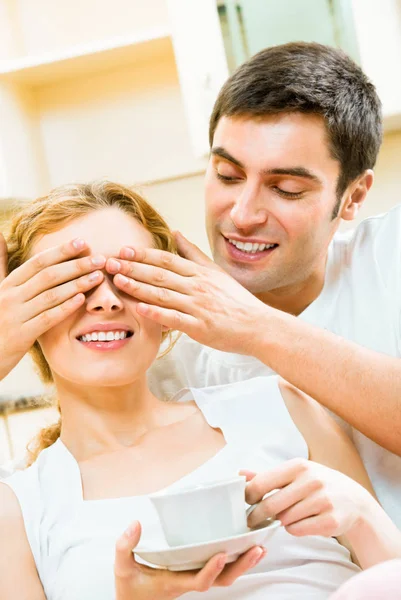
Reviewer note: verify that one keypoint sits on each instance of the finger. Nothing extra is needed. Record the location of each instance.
(124, 558)
(150, 294)
(149, 274)
(323, 524)
(172, 319)
(277, 477)
(200, 581)
(35, 327)
(3, 258)
(247, 561)
(51, 277)
(248, 474)
(45, 259)
(281, 500)
(160, 258)
(205, 578)
(56, 296)
(311, 506)
(191, 252)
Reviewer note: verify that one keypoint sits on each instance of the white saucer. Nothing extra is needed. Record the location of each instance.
(195, 556)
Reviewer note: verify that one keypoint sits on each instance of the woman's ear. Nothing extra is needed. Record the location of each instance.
(355, 195)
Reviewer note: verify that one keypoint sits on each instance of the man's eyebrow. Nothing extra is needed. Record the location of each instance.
(220, 151)
(293, 172)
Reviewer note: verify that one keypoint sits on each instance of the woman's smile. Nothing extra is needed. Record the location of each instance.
(105, 336)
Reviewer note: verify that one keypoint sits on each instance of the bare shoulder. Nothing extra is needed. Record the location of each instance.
(307, 412)
(327, 442)
(18, 575)
(9, 506)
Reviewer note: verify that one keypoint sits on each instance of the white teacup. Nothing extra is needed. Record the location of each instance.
(203, 513)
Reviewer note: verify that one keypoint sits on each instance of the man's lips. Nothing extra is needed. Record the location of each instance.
(244, 256)
(238, 238)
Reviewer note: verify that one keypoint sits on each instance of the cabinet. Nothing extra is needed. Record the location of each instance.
(89, 90)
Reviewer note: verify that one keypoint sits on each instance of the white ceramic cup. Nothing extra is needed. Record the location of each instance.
(203, 513)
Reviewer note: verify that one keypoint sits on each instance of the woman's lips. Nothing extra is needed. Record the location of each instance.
(105, 346)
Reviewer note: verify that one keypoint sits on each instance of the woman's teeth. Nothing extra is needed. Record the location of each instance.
(251, 247)
(103, 336)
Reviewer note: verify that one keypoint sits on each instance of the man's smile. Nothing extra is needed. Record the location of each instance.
(248, 249)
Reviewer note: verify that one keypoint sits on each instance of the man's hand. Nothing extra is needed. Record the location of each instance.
(41, 293)
(312, 499)
(191, 294)
(134, 580)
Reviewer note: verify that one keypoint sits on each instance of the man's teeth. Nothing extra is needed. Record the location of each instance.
(250, 247)
(103, 336)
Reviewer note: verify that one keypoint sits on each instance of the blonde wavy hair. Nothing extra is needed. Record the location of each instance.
(52, 212)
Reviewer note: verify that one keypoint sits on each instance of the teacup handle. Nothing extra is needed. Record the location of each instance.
(253, 506)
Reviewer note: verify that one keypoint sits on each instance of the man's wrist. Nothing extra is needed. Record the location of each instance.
(265, 335)
(6, 366)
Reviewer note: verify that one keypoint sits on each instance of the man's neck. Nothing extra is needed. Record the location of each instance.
(296, 298)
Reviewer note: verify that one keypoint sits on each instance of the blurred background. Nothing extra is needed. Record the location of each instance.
(124, 90)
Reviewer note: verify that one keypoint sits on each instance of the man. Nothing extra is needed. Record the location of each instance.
(294, 136)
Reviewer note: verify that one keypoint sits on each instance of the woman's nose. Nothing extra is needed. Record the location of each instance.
(104, 298)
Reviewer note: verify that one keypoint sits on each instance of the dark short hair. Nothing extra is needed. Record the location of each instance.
(310, 78)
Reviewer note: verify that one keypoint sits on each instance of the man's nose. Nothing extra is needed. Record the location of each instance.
(249, 210)
(104, 298)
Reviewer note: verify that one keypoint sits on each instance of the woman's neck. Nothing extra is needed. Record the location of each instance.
(106, 419)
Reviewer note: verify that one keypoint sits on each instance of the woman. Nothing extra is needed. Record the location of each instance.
(116, 442)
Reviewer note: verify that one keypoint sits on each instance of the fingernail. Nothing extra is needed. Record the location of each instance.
(114, 264)
(257, 557)
(98, 261)
(129, 253)
(222, 562)
(123, 279)
(131, 530)
(93, 276)
(78, 243)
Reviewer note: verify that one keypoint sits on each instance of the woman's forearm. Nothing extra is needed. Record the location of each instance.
(374, 538)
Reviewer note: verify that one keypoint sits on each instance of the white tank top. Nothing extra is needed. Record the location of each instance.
(73, 539)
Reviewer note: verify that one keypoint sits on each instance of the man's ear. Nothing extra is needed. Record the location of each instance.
(355, 195)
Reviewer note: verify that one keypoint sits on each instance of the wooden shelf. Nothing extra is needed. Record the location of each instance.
(87, 58)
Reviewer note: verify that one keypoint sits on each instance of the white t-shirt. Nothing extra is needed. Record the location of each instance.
(73, 539)
(360, 301)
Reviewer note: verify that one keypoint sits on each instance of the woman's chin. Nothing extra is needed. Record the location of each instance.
(103, 379)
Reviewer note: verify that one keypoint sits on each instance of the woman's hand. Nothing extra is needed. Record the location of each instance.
(311, 499)
(135, 581)
(41, 293)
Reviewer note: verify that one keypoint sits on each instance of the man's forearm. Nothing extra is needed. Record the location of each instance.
(7, 365)
(361, 386)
